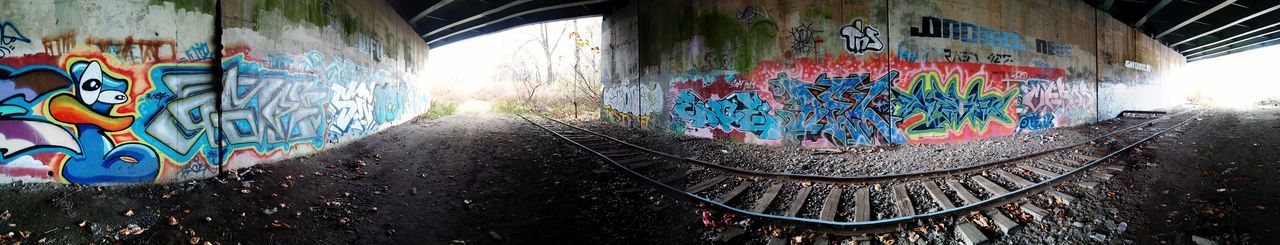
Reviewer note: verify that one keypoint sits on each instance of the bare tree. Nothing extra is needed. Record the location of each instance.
(521, 72)
(586, 68)
(544, 40)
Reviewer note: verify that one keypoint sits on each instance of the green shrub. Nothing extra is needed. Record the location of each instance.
(440, 109)
(510, 107)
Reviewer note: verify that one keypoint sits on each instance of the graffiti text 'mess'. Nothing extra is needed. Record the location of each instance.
(967, 32)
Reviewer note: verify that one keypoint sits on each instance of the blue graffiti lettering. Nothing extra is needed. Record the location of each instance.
(743, 111)
(9, 34)
(844, 110)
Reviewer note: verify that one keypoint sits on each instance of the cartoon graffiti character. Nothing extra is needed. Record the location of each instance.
(89, 107)
(92, 156)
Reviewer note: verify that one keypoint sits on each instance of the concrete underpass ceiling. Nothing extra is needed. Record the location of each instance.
(441, 22)
(1201, 29)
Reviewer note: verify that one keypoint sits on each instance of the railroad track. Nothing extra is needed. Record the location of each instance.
(996, 192)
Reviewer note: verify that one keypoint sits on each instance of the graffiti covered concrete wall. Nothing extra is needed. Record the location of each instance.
(626, 99)
(113, 91)
(80, 86)
(868, 72)
(306, 75)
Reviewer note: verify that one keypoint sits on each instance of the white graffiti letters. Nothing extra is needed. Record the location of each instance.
(859, 39)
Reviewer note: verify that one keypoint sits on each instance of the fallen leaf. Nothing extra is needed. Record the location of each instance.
(280, 225)
(173, 221)
(131, 229)
(128, 213)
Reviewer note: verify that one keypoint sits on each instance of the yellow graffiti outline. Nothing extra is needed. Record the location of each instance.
(931, 82)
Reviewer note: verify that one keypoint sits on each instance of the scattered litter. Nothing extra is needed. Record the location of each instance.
(279, 224)
(1202, 241)
(131, 229)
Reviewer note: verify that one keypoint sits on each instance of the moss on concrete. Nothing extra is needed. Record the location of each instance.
(720, 31)
(319, 13)
(315, 12)
(200, 6)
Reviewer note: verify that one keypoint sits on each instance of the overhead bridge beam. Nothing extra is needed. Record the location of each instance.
(433, 8)
(1250, 46)
(476, 17)
(1151, 12)
(1193, 19)
(517, 15)
(1223, 27)
(1231, 38)
(1232, 43)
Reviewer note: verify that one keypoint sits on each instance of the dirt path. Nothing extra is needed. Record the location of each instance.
(1217, 180)
(473, 179)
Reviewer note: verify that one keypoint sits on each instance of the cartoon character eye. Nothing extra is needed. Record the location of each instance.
(112, 97)
(90, 83)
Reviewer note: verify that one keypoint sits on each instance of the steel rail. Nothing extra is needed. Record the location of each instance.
(876, 225)
(867, 179)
